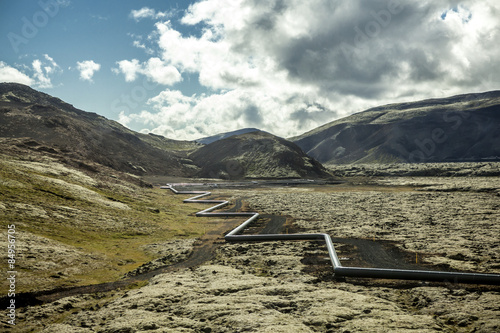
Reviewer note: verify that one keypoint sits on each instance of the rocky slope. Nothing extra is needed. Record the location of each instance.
(256, 155)
(25, 112)
(460, 128)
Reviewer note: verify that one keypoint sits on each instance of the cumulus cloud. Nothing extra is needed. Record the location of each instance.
(289, 66)
(52, 65)
(124, 119)
(176, 115)
(155, 69)
(140, 45)
(10, 74)
(39, 75)
(87, 69)
(129, 68)
(43, 69)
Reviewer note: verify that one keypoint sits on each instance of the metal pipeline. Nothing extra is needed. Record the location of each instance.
(339, 270)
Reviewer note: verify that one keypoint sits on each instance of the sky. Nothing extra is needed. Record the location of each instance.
(190, 69)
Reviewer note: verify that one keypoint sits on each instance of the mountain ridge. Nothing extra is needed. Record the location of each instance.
(54, 125)
(456, 128)
(25, 112)
(400, 106)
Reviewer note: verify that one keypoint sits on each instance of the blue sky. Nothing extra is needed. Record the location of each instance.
(188, 69)
(78, 31)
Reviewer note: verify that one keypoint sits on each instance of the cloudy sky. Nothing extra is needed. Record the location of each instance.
(189, 69)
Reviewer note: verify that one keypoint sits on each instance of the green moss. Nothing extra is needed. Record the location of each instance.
(116, 235)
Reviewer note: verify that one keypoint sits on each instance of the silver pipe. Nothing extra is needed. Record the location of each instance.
(339, 270)
(333, 254)
(404, 274)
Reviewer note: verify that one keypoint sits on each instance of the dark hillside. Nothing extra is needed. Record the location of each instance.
(462, 128)
(25, 112)
(256, 155)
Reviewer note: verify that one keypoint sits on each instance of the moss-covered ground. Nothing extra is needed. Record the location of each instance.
(77, 228)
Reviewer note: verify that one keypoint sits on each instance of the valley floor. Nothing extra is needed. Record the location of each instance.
(438, 223)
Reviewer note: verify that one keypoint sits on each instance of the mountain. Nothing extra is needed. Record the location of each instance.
(48, 121)
(255, 155)
(209, 139)
(48, 124)
(459, 128)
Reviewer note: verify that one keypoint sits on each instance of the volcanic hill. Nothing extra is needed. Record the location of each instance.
(256, 155)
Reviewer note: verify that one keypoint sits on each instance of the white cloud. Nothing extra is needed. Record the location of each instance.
(143, 46)
(143, 43)
(39, 75)
(155, 69)
(146, 12)
(10, 74)
(289, 66)
(64, 3)
(87, 69)
(161, 73)
(176, 115)
(124, 119)
(43, 69)
(129, 68)
(51, 60)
